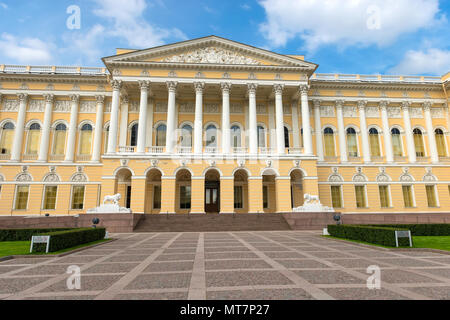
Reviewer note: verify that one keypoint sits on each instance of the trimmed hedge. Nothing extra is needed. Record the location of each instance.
(422, 229)
(60, 240)
(378, 235)
(24, 234)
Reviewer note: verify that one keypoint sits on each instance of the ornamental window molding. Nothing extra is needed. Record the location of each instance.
(24, 177)
(51, 177)
(212, 55)
(335, 178)
(79, 177)
(383, 177)
(406, 177)
(359, 178)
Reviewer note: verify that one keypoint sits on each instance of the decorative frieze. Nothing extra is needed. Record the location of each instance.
(10, 105)
(287, 109)
(133, 106)
(108, 107)
(36, 106)
(62, 106)
(188, 107)
(350, 112)
(161, 107)
(88, 106)
(327, 111)
(212, 55)
(416, 113)
(211, 108)
(394, 112)
(261, 109)
(437, 113)
(372, 112)
(236, 108)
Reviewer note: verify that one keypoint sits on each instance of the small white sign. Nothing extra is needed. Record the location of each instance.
(325, 232)
(403, 234)
(40, 239)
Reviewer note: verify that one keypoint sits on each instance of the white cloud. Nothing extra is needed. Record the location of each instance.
(345, 22)
(129, 23)
(431, 61)
(88, 44)
(26, 50)
(3, 5)
(245, 6)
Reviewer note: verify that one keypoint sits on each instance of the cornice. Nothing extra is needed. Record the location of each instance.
(321, 84)
(53, 78)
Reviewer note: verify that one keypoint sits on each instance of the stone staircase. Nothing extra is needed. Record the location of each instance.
(211, 223)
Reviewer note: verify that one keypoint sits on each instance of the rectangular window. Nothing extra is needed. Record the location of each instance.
(128, 201)
(185, 197)
(265, 197)
(329, 145)
(77, 197)
(360, 192)
(336, 196)
(50, 198)
(384, 196)
(238, 198)
(407, 196)
(157, 197)
(431, 196)
(21, 197)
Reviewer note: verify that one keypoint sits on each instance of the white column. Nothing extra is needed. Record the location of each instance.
(341, 131)
(318, 130)
(45, 137)
(20, 126)
(306, 122)
(386, 132)
(170, 134)
(431, 137)
(408, 132)
(198, 122)
(253, 124)
(226, 139)
(123, 127)
(97, 150)
(295, 128)
(72, 135)
(142, 127)
(150, 124)
(278, 88)
(364, 132)
(114, 121)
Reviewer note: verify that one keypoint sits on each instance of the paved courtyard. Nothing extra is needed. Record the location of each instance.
(229, 265)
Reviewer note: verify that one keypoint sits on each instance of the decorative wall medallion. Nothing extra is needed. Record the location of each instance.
(172, 74)
(154, 162)
(429, 176)
(79, 168)
(241, 163)
(212, 55)
(76, 87)
(117, 72)
(268, 163)
(184, 162)
(52, 169)
(212, 163)
(297, 163)
(24, 86)
(124, 162)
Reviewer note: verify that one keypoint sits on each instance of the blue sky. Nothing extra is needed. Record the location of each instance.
(342, 36)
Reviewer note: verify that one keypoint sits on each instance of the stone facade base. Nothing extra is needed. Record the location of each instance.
(396, 218)
(309, 220)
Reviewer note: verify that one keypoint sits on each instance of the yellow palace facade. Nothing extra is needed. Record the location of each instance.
(215, 126)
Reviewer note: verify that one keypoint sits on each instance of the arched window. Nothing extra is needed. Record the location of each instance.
(106, 139)
(286, 138)
(34, 133)
(440, 143)
(328, 134)
(86, 139)
(396, 142)
(374, 143)
(261, 137)
(211, 136)
(133, 135)
(7, 138)
(186, 136)
(161, 135)
(418, 143)
(59, 139)
(235, 137)
(352, 144)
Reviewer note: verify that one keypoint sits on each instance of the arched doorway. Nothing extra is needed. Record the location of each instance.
(297, 198)
(269, 190)
(241, 191)
(153, 191)
(212, 191)
(123, 186)
(183, 191)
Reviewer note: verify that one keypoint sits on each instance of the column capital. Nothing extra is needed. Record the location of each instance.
(75, 98)
(23, 97)
(199, 87)
(144, 84)
(116, 84)
(278, 88)
(172, 86)
(303, 89)
(226, 87)
(252, 87)
(340, 103)
(362, 104)
(427, 106)
(406, 105)
(316, 103)
(384, 104)
(100, 99)
(49, 98)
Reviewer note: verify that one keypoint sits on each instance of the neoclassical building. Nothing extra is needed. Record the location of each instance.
(215, 126)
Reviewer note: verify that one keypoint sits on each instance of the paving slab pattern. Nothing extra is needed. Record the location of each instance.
(286, 265)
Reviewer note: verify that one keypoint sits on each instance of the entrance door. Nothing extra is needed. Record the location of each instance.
(212, 199)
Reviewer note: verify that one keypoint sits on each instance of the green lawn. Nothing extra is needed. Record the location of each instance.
(438, 242)
(9, 248)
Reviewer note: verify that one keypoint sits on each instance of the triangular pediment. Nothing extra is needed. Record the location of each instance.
(210, 51)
